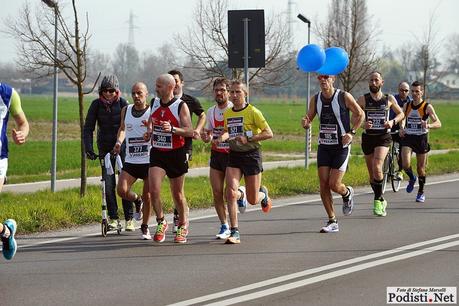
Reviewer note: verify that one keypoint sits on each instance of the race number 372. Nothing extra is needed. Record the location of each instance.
(422, 295)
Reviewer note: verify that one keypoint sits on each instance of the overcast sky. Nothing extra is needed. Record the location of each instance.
(157, 21)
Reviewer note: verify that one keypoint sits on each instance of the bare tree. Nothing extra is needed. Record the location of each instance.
(349, 26)
(206, 46)
(452, 53)
(427, 48)
(34, 33)
(126, 65)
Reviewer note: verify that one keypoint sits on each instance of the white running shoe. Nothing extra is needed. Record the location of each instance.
(331, 227)
(242, 203)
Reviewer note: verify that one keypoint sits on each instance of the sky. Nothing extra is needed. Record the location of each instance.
(157, 21)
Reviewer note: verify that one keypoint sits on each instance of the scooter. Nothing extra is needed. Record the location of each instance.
(104, 223)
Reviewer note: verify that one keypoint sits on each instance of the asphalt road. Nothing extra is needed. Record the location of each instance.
(282, 258)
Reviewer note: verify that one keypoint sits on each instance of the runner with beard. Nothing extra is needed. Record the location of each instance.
(376, 138)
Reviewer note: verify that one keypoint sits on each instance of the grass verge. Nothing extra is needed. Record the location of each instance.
(44, 211)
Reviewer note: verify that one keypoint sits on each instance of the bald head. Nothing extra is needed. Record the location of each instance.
(403, 90)
(165, 84)
(139, 94)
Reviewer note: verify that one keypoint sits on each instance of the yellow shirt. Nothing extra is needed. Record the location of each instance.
(248, 121)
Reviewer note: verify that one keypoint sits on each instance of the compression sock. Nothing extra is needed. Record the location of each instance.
(410, 173)
(422, 181)
(378, 189)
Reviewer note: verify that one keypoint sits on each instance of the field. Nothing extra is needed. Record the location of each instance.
(44, 210)
(31, 162)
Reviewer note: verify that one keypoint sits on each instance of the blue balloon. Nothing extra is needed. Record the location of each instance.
(336, 60)
(310, 58)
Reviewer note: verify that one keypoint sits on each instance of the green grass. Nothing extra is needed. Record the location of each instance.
(42, 211)
(31, 162)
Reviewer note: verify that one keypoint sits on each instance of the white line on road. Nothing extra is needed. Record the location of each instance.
(288, 277)
(334, 274)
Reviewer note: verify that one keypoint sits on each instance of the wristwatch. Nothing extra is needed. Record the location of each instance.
(353, 132)
(173, 130)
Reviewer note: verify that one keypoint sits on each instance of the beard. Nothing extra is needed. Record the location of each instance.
(374, 89)
(220, 101)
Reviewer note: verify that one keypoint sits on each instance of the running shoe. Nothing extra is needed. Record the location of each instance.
(180, 236)
(9, 245)
(160, 234)
(399, 176)
(421, 198)
(145, 232)
(410, 186)
(138, 209)
(379, 208)
(224, 232)
(330, 227)
(234, 237)
(348, 202)
(130, 226)
(384, 206)
(176, 221)
(113, 224)
(266, 203)
(242, 203)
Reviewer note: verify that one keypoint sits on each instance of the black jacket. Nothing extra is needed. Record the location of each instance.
(108, 123)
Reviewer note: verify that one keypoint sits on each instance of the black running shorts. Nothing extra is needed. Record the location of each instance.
(174, 162)
(370, 142)
(139, 171)
(218, 160)
(332, 157)
(249, 162)
(418, 143)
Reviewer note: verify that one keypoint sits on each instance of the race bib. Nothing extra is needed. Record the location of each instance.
(217, 132)
(413, 125)
(328, 134)
(161, 139)
(378, 118)
(137, 147)
(235, 126)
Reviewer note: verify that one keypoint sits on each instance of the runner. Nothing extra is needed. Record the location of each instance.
(244, 128)
(137, 161)
(219, 153)
(194, 107)
(10, 104)
(376, 138)
(420, 118)
(168, 125)
(336, 132)
(402, 98)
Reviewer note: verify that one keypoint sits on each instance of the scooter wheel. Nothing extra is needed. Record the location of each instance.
(104, 227)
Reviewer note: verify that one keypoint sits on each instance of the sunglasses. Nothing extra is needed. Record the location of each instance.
(404, 90)
(323, 77)
(110, 90)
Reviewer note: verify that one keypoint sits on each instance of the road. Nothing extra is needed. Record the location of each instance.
(282, 259)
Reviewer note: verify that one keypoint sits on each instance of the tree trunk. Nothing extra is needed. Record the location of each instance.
(83, 170)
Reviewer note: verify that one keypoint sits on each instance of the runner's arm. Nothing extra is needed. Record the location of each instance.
(399, 114)
(21, 131)
(435, 121)
(307, 119)
(358, 115)
(121, 132)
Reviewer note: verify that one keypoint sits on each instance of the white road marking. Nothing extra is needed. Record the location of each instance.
(288, 277)
(334, 274)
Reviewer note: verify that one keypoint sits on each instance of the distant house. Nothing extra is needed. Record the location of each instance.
(446, 86)
(450, 80)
